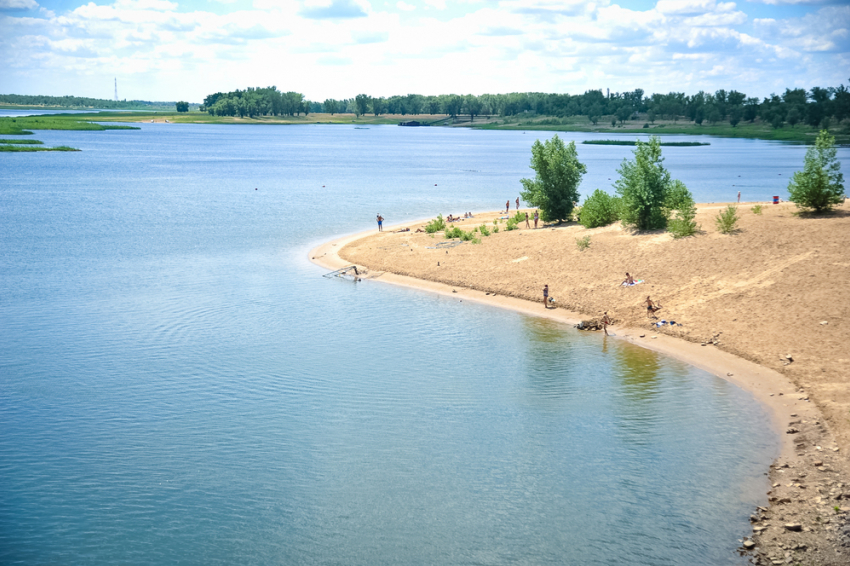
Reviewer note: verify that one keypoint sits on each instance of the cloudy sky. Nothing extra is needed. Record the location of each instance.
(186, 49)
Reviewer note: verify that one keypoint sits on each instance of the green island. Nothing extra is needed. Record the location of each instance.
(634, 142)
(28, 148)
(21, 141)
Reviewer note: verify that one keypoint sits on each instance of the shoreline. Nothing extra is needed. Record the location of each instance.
(768, 386)
(810, 526)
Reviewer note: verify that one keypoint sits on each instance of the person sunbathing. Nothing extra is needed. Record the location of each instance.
(450, 218)
(629, 280)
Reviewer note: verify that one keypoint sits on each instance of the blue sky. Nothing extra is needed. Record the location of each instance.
(186, 49)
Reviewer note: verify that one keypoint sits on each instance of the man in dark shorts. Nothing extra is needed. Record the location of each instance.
(507, 206)
(380, 223)
(546, 296)
(651, 308)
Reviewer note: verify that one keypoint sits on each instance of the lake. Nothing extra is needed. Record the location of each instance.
(179, 384)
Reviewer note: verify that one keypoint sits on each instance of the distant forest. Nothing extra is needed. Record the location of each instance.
(83, 102)
(816, 107)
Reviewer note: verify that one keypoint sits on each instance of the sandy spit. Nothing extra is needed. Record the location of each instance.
(778, 287)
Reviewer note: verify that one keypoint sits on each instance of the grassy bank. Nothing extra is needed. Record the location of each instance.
(28, 148)
(24, 125)
(22, 141)
(756, 130)
(204, 118)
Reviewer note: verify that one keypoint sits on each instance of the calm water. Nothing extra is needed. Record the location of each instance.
(179, 385)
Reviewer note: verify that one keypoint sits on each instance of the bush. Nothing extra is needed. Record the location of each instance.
(453, 232)
(726, 219)
(467, 236)
(519, 217)
(599, 209)
(680, 200)
(511, 224)
(820, 185)
(436, 225)
(496, 230)
(484, 230)
(583, 243)
(756, 209)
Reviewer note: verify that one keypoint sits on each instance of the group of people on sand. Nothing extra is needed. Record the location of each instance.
(652, 307)
(466, 215)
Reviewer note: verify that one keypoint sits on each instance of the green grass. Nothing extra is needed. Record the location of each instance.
(31, 148)
(634, 142)
(22, 125)
(757, 130)
(22, 141)
(583, 243)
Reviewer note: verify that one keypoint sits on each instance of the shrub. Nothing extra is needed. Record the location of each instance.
(683, 223)
(726, 219)
(599, 209)
(484, 230)
(820, 185)
(756, 209)
(453, 232)
(476, 240)
(496, 230)
(466, 236)
(583, 243)
(511, 224)
(436, 225)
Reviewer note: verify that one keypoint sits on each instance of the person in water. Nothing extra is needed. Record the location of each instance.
(605, 322)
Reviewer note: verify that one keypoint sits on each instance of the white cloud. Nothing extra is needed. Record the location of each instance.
(18, 4)
(536, 45)
(438, 4)
(404, 6)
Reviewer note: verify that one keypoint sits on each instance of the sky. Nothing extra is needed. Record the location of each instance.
(186, 49)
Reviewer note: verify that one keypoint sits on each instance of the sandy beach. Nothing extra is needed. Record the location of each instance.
(765, 308)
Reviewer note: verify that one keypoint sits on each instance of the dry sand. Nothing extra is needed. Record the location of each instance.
(778, 287)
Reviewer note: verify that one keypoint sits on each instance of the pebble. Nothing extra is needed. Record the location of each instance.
(748, 544)
(796, 527)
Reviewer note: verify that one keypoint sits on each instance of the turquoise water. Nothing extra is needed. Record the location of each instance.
(179, 385)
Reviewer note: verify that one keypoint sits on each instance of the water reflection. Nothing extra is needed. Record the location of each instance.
(637, 383)
(550, 360)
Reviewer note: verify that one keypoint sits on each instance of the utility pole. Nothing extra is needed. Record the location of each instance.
(116, 89)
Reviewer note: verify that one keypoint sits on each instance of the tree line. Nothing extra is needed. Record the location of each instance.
(815, 107)
(81, 102)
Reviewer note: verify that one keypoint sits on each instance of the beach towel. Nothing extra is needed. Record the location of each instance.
(624, 284)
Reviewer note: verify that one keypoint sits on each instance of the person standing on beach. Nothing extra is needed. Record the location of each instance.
(545, 296)
(739, 197)
(507, 206)
(526, 221)
(536, 216)
(380, 223)
(517, 204)
(605, 322)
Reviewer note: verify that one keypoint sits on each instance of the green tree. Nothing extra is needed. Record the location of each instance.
(330, 106)
(554, 190)
(361, 104)
(644, 186)
(182, 106)
(820, 185)
(735, 115)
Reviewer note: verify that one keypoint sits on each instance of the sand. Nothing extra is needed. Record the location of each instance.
(778, 287)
